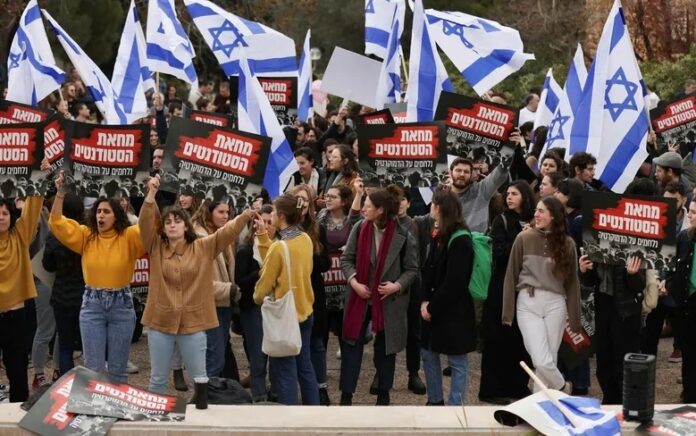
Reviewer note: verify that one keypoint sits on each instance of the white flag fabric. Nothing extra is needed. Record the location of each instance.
(379, 17)
(304, 82)
(255, 115)
(548, 101)
(227, 35)
(169, 49)
(427, 74)
(132, 77)
(484, 51)
(32, 73)
(389, 86)
(97, 83)
(611, 122)
(562, 121)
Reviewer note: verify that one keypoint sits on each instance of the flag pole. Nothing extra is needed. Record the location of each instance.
(572, 418)
(157, 88)
(403, 63)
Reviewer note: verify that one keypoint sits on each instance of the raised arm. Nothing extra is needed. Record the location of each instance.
(26, 225)
(149, 215)
(68, 232)
(227, 234)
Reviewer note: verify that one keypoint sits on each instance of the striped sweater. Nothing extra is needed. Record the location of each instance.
(531, 266)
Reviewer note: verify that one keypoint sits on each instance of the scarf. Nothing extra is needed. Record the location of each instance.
(355, 308)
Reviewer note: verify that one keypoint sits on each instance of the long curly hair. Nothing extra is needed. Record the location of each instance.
(558, 236)
(309, 222)
(121, 222)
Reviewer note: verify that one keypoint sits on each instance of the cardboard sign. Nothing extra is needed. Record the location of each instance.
(13, 113)
(215, 162)
(675, 123)
(214, 118)
(379, 117)
(352, 76)
(392, 153)
(21, 152)
(282, 94)
(618, 226)
(49, 416)
(476, 129)
(96, 394)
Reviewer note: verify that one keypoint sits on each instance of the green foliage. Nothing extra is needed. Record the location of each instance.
(667, 78)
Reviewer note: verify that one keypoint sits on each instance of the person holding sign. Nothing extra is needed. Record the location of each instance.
(447, 309)
(681, 284)
(380, 262)
(542, 288)
(181, 301)
(109, 246)
(16, 286)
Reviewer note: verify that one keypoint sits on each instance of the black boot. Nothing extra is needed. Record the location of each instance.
(382, 398)
(447, 372)
(324, 399)
(439, 403)
(180, 381)
(346, 399)
(415, 384)
(374, 387)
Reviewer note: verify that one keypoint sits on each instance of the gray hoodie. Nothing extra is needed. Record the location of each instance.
(476, 197)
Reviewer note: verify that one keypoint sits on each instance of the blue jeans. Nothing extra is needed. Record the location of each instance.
(318, 353)
(45, 329)
(252, 327)
(218, 337)
(68, 328)
(286, 372)
(433, 377)
(107, 319)
(161, 347)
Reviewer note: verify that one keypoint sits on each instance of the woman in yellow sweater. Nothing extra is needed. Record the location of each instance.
(109, 247)
(16, 286)
(181, 301)
(274, 279)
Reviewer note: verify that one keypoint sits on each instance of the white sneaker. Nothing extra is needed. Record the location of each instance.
(4, 399)
(132, 368)
(4, 389)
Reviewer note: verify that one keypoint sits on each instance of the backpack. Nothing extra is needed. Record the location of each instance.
(483, 259)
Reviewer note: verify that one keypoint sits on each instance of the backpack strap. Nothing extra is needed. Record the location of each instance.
(455, 235)
(287, 263)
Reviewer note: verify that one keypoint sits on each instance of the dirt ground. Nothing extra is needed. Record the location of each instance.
(667, 385)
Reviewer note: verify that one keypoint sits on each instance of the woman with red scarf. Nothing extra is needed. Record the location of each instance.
(380, 262)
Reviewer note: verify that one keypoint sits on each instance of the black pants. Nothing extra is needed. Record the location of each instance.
(413, 335)
(351, 360)
(14, 353)
(68, 329)
(614, 337)
(686, 316)
(653, 327)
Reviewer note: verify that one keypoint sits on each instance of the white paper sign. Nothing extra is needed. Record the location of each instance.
(352, 76)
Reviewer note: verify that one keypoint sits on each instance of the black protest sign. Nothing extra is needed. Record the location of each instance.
(379, 117)
(675, 123)
(12, 113)
(618, 226)
(21, 152)
(679, 421)
(398, 111)
(282, 94)
(216, 119)
(49, 415)
(54, 141)
(215, 162)
(577, 347)
(390, 153)
(96, 394)
(476, 129)
(334, 282)
(106, 160)
(140, 281)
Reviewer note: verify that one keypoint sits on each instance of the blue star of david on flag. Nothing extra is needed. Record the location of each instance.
(370, 8)
(556, 127)
(217, 32)
(14, 60)
(629, 102)
(450, 28)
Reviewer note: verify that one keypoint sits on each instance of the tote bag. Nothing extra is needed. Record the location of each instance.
(281, 330)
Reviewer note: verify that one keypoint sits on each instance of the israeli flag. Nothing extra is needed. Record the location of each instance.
(611, 122)
(485, 51)
(132, 77)
(32, 73)
(389, 86)
(427, 75)
(169, 50)
(548, 101)
(379, 18)
(267, 50)
(562, 120)
(255, 115)
(304, 82)
(94, 79)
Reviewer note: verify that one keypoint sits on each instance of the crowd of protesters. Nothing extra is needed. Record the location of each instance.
(401, 284)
